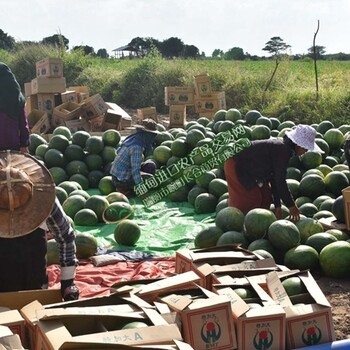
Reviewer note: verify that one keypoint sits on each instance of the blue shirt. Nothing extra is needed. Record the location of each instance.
(127, 163)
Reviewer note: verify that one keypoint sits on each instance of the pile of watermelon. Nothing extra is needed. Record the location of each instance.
(81, 161)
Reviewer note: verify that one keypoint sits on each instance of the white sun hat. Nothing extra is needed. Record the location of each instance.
(304, 136)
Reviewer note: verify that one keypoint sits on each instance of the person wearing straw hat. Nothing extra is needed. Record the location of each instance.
(128, 169)
(27, 200)
(256, 177)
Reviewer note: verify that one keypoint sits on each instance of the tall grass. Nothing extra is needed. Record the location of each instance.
(138, 83)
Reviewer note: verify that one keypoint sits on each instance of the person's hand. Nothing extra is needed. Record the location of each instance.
(69, 290)
(294, 213)
(24, 150)
(278, 213)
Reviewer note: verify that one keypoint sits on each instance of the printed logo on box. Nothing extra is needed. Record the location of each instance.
(211, 331)
(311, 334)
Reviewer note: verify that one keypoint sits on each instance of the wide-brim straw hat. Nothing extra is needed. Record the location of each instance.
(148, 125)
(304, 136)
(27, 194)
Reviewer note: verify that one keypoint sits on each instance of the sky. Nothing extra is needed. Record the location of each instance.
(206, 24)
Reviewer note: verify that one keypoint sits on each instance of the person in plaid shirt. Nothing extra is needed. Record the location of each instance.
(128, 169)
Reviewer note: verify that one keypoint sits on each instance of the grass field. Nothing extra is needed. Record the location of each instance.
(140, 83)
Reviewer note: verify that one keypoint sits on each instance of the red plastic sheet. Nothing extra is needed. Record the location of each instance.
(95, 281)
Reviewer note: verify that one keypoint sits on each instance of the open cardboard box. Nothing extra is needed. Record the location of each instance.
(93, 107)
(39, 122)
(202, 261)
(178, 95)
(65, 112)
(8, 340)
(309, 315)
(205, 316)
(55, 330)
(150, 291)
(260, 321)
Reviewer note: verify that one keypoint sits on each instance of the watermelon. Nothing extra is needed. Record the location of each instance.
(98, 204)
(179, 148)
(70, 186)
(34, 141)
(338, 209)
(283, 234)
(221, 204)
(127, 232)
(77, 167)
(194, 192)
(111, 137)
(180, 195)
(93, 161)
(205, 203)
(312, 186)
(86, 245)
(260, 132)
(61, 194)
(94, 178)
(335, 259)
(233, 237)
(54, 158)
(335, 182)
(207, 237)
(311, 159)
(83, 193)
(59, 142)
(73, 204)
(217, 187)
(263, 253)
(308, 209)
(230, 219)
(94, 144)
(81, 179)
(52, 256)
(117, 197)
(233, 114)
(74, 152)
(323, 126)
(256, 223)
(302, 257)
(319, 240)
(118, 211)
(335, 138)
(135, 324)
(85, 217)
(105, 185)
(80, 137)
(262, 244)
(58, 174)
(252, 116)
(294, 286)
(338, 234)
(308, 227)
(62, 130)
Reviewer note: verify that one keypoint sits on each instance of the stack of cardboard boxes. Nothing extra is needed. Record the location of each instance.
(49, 103)
(205, 101)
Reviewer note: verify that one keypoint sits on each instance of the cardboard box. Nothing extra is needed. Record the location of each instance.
(93, 107)
(78, 124)
(202, 261)
(147, 113)
(309, 315)
(47, 103)
(69, 96)
(206, 318)
(8, 340)
(202, 85)
(96, 123)
(150, 291)
(105, 305)
(346, 199)
(54, 331)
(116, 118)
(82, 92)
(262, 326)
(177, 116)
(14, 321)
(65, 112)
(212, 103)
(27, 89)
(42, 85)
(178, 95)
(39, 122)
(331, 223)
(50, 68)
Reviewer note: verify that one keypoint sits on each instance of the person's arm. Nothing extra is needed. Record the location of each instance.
(23, 133)
(135, 160)
(64, 235)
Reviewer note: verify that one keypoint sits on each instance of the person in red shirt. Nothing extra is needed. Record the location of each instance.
(256, 177)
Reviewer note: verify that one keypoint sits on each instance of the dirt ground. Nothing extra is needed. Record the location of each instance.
(338, 294)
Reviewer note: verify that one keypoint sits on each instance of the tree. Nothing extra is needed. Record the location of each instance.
(102, 53)
(217, 53)
(57, 40)
(275, 46)
(88, 50)
(172, 47)
(143, 45)
(236, 53)
(7, 42)
(317, 51)
(191, 51)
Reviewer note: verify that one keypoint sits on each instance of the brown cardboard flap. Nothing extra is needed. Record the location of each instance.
(277, 290)
(11, 342)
